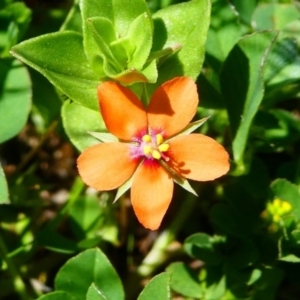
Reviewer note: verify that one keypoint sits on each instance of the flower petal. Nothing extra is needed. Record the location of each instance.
(198, 157)
(106, 166)
(173, 105)
(123, 113)
(151, 193)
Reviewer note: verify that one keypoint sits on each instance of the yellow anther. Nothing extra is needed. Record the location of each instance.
(163, 147)
(146, 138)
(155, 154)
(147, 150)
(159, 139)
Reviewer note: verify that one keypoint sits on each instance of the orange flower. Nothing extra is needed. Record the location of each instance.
(152, 147)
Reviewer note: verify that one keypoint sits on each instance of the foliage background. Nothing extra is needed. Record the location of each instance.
(238, 240)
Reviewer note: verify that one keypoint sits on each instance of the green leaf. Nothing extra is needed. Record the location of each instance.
(46, 102)
(94, 293)
(90, 266)
(184, 280)
(192, 127)
(73, 20)
(245, 9)
(60, 57)
(230, 220)
(184, 25)
(200, 246)
(290, 258)
(243, 254)
(123, 188)
(59, 295)
(286, 191)
(120, 12)
(140, 36)
(124, 45)
(158, 288)
(209, 96)
(15, 98)
(242, 85)
(104, 137)
(274, 16)
(14, 20)
(224, 32)
(4, 196)
(78, 121)
(54, 241)
(85, 213)
(184, 183)
(213, 282)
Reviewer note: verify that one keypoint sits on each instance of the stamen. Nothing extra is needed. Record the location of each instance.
(159, 139)
(163, 147)
(146, 138)
(147, 150)
(155, 154)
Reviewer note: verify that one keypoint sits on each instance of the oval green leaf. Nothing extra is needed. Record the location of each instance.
(157, 288)
(90, 266)
(15, 98)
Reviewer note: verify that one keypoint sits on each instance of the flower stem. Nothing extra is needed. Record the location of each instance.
(297, 175)
(18, 283)
(159, 254)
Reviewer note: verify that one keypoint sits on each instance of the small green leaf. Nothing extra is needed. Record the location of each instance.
(140, 36)
(243, 254)
(183, 25)
(73, 20)
(290, 258)
(60, 57)
(242, 85)
(223, 33)
(78, 121)
(94, 293)
(184, 183)
(286, 191)
(184, 280)
(255, 275)
(125, 43)
(200, 246)
(123, 188)
(231, 220)
(4, 197)
(104, 137)
(86, 214)
(274, 15)
(158, 288)
(56, 242)
(90, 266)
(120, 12)
(14, 20)
(59, 295)
(15, 98)
(213, 282)
(192, 127)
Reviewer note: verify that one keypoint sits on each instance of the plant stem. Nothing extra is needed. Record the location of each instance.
(18, 283)
(297, 175)
(158, 254)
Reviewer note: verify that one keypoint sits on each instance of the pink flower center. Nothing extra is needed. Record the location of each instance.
(151, 146)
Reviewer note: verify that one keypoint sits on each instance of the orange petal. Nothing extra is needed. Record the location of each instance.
(173, 105)
(151, 194)
(198, 157)
(123, 113)
(106, 166)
